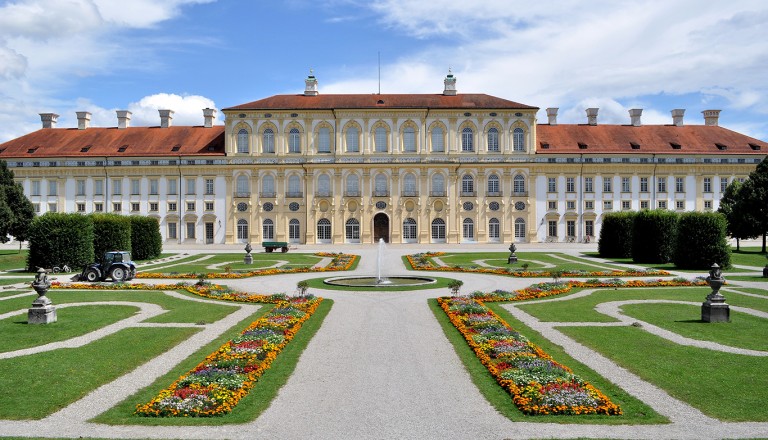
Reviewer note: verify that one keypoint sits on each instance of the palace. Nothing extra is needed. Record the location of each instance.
(355, 168)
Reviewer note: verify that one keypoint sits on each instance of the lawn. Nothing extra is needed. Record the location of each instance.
(13, 259)
(232, 262)
(534, 260)
(749, 256)
(317, 283)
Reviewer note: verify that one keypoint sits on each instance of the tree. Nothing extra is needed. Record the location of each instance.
(752, 202)
(16, 211)
(701, 241)
(732, 207)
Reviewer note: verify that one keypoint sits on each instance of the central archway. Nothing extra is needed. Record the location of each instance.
(380, 227)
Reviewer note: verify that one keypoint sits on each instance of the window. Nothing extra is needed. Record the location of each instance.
(190, 206)
(209, 187)
(209, 206)
(708, 204)
(625, 184)
(679, 185)
(438, 140)
(172, 206)
(518, 140)
(410, 187)
(438, 229)
(438, 185)
(494, 229)
(242, 229)
(53, 188)
(551, 184)
(626, 204)
(190, 186)
(172, 187)
(493, 139)
(80, 187)
(153, 187)
(707, 184)
(243, 141)
(570, 205)
(294, 186)
(153, 206)
(117, 207)
(570, 184)
(552, 205)
(81, 207)
(353, 140)
(380, 185)
(467, 185)
(294, 141)
(36, 207)
(35, 188)
(662, 204)
(294, 230)
(570, 228)
(723, 184)
(135, 207)
(607, 205)
(589, 228)
(268, 229)
(268, 186)
(380, 140)
(324, 140)
(268, 141)
(409, 140)
(467, 140)
(680, 204)
(468, 229)
(607, 185)
(243, 186)
(117, 187)
(518, 184)
(644, 184)
(172, 230)
(588, 185)
(493, 185)
(324, 229)
(644, 204)
(353, 185)
(661, 184)
(519, 228)
(409, 229)
(135, 187)
(191, 230)
(352, 230)
(552, 228)
(589, 205)
(324, 185)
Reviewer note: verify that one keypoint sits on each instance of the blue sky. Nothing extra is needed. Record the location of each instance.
(100, 56)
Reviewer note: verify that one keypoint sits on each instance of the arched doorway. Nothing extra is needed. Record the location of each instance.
(380, 227)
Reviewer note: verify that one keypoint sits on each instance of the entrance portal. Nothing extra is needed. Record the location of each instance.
(380, 227)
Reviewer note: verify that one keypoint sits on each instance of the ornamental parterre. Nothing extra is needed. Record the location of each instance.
(537, 383)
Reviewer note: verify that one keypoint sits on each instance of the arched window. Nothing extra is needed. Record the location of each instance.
(438, 229)
(409, 229)
(410, 187)
(520, 228)
(324, 185)
(494, 229)
(468, 229)
(381, 187)
(324, 230)
(268, 186)
(467, 185)
(294, 141)
(243, 141)
(493, 139)
(294, 186)
(380, 140)
(324, 140)
(268, 141)
(353, 185)
(438, 140)
(242, 229)
(353, 140)
(294, 230)
(243, 186)
(467, 140)
(438, 185)
(518, 184)
(409, 140)
(518, 139)
(352, 230)
(268, 230)
(493, 185)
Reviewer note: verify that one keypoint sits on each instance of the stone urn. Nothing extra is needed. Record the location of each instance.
(715, 309)
(248, 259)
(42, 311)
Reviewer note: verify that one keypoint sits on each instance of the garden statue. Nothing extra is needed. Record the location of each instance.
(42, 311)
(714, 309)
(512, 257)
(248, 257)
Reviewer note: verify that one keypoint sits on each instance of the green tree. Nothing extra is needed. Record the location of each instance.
(732, 206)
(701, 241)
(755, 196)
(16, 211)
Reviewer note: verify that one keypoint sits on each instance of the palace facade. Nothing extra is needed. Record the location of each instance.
(356, 168)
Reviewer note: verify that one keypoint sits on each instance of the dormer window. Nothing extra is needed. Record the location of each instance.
(544, 145)
(176, 148)
(721, 147)
(751, 145)
(634, 145)
(85, 149)
(122, 149)
(582, 146)
(32, 150)
(675, 146)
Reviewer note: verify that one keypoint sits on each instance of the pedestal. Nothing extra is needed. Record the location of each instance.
(42, 311)
(715, 309)
(248, 259)
(512, 259)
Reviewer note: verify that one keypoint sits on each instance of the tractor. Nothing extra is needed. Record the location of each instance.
(116, 265)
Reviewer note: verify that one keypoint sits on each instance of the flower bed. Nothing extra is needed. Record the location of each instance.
(339, 262)
(218, 383)
(420, 262)
(538, 384)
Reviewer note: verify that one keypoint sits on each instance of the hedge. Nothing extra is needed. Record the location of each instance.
(654, 236)
(616, 235)
(146, 241)
(701, 241)
(58, 238)
(111, 232)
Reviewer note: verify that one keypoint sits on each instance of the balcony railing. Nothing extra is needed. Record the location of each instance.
(409, 194)
(493, 194)
(468, 193)
(294, 195)
(520, 194)
(439, 193)
(381, 193)
(351, 193)
(323, 194)
(242, 194)
(267, 194)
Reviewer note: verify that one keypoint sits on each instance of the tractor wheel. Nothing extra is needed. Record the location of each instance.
(117, 274)
(284, 249)
(91, 275)
(269, 249)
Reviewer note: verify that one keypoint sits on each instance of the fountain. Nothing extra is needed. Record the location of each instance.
(379, 280)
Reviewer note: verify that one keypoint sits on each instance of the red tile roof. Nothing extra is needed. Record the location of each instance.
(649, 139)
(131, 141)
(378, 101)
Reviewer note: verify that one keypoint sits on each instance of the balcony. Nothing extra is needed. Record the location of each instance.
(409, 194)
(267, 194)
(294, 195)
(351, 193)
(242, 194)
(468, 193)
(438, 193)
(381, 193)
(493, 194)
(520, 194)
(323, 194)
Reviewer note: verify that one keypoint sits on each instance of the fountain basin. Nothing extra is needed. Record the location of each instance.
(368, 281)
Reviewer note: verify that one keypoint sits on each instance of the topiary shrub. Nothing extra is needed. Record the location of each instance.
(654, 236)
(111, 232)
(146, 241)
(616, 235)
(701, 241)
(57, 238)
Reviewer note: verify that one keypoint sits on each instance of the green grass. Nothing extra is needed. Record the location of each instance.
(38, 385)
(16, 334)
(317, 283)
(756, 277)
(749, 256)
(11, 292)
(12, 259)
(721, 385)
(250, 407)
(234, 261)
(635, 412)
(533, 259)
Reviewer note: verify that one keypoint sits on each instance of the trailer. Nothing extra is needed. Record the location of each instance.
(270, 246)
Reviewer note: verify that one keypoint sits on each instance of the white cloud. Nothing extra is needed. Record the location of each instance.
(141, 13)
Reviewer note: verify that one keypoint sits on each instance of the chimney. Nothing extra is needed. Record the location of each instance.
(166, 118)
(634, 116)
(49, 119)
(677, 117)
(123, 119)
(592, 116)
(83, 120)
(208, 115)
(711, 117)
(311, 85)
(450, 84)
(552, 115)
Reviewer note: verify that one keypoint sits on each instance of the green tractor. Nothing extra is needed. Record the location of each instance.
(116, 265)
